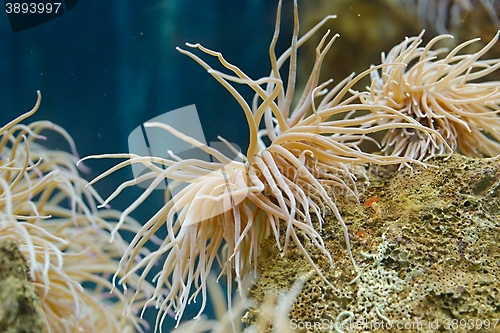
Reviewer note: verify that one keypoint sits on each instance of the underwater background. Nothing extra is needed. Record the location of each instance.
(106, 67)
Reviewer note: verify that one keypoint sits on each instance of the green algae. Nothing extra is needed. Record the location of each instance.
(427, 242)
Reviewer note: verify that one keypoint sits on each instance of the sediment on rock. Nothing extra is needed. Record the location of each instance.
(427, 242)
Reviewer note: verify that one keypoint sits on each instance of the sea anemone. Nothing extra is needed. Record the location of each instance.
(47, 209)
(237, 203)
(440, 90)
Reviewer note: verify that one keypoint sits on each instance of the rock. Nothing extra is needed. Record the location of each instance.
(427, 244)
(20, 308)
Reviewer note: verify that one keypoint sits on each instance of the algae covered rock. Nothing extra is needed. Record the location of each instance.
(427, 244)
(20, 309)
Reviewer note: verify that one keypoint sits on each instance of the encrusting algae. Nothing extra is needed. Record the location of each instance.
(428, 245)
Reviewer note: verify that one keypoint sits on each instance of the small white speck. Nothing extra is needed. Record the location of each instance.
(359, 14)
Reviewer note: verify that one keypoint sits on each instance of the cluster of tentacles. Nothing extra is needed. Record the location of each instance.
(439, 89)
(46, 208)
